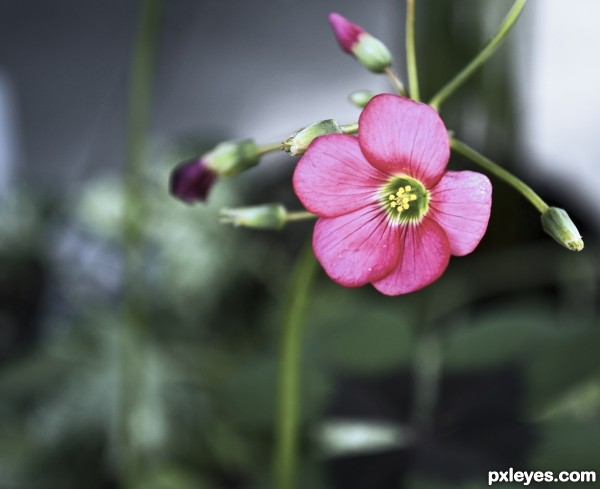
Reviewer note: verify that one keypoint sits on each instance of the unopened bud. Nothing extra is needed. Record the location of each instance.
(361, 98)
(557, 223)
(192, 180)
(354, 40)
(266, 216)
(299, 141)
(232, 157)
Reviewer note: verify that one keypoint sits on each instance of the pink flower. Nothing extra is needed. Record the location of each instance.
(389, 213)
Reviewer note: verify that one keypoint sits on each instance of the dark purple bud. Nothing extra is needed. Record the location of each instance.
(192, 181)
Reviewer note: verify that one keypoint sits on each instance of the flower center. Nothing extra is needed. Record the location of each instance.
(404, 199)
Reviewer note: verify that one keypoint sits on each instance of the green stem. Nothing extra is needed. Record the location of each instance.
(268, 148)
(411, 52)
(427, 369)
(395, 79)
(286, 447)
(299, 216)
(499, 172)
(482, 57)
(350, 128)
(140, 94)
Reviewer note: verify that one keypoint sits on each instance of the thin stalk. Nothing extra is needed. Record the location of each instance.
(482, 57)
(499, 172)
(411, 51)
(268, 148)
(140, 94)
(427, 368)
(350, 128)
(396, 81)
(299, 216)
(288, 415)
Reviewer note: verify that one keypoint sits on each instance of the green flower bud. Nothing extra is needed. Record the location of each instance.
(354, 40)
(299, 141)
(361, 98)
(266, 216)
(232, 157)
(557, 223)
(372, 53)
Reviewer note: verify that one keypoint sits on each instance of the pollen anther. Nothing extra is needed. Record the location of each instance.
(400, 200)
(406, 201)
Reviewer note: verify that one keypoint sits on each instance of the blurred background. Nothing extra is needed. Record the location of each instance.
(494, 366)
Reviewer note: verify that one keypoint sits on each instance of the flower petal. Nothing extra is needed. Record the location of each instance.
(357, 248)
(461, 203)
(424, 256)
(334, 178)
(401, 136)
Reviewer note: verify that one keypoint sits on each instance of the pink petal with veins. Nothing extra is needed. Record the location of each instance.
(358, 247)
(424, 255)
(461, 203)
(401, 136)
(334, 178)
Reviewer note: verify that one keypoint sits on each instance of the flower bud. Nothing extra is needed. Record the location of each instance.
(232, 157)
(299, 141)
(557, 223)
(266, 216)
(361, 98)
(354, 40)
(192, 180)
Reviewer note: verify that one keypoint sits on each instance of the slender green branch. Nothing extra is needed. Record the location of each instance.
(270, 147)
(411, 52)
(140, 95)
(299, 216)
(501, 173)
(396, 81)
(427, 366)
(350, 128)
(482, 57)
(288, 416)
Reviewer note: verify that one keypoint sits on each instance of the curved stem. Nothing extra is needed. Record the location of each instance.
(395, 79)
(286, 443)
(482, 57)
(411, 55)
(499, 172)
(133, 229)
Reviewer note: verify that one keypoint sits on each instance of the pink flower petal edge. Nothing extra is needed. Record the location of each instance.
(346, 180)
(424, 256)
(358, 247)
(398, 135)
(346, 32)
(461, 204)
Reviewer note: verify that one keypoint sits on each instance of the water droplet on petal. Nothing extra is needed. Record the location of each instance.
(370, 269)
